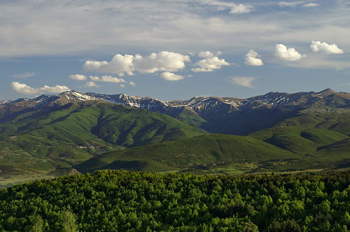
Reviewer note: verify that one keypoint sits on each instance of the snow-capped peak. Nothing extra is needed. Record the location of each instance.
(74, 95)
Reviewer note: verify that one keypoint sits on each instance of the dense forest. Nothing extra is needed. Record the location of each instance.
(140, 201)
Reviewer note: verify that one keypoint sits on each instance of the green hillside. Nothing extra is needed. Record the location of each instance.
(299, 143)
(309, 130)
(62, 136)
(298, 139)
(92, 121)
(198, 152)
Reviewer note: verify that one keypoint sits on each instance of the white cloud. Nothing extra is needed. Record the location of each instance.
(162, 61)
(234, 8)
(107, 79)
(315, 61)
(91, 84)
(78, 77)
(182, 25)
(318, 46)
(208, 54)
(297, 3)
(119, 64)
(240, 9)
(290, 4)
(243, 81)
(122, 85)
(205, 54)
(251, 59)
(25, 89)
(209, 63)
(310, 5)
(168, 76)
(24, 75)
(133, 84)
(289, 54)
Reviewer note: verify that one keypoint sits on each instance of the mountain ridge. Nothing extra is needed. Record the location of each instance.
(214, 114)
(51, 132)
(173, 103)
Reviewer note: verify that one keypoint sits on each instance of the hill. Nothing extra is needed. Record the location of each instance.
(64, 134)
(308, 141)
(201, 152)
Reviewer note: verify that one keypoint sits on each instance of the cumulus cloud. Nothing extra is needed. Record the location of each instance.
(205, 54)
(119, 64)
(289, 54)
(127, 64)
(107, 79)
(243, 81)
(78, 77)
(209, 63)
(122, 85)
(133, 84)
(162, 61)
(91, 84)
(24, 75)
(252, 59)
(25, 89)
(310, 5)
(168, 76)
(318, 46)
(234, 8)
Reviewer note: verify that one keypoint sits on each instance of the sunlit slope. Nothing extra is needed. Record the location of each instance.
(185, 153)
(85, 122)
(69, 134)
(308, 131)
(317, 139)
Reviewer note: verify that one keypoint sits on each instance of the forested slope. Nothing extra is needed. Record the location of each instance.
(133, 201)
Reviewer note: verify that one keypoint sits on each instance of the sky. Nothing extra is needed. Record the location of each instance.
(173, 49)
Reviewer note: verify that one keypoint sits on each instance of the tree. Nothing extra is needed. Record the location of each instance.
(38, 225)
(68, 221)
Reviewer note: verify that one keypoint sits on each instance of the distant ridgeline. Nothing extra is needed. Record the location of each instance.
(53, 135)
(136, 201)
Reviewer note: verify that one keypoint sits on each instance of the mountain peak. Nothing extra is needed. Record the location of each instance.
(69, 92)
(77, 96)
(327, 91)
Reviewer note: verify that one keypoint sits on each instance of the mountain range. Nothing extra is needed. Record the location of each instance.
(89, 131)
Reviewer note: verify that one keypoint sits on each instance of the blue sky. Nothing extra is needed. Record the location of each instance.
(173, 49)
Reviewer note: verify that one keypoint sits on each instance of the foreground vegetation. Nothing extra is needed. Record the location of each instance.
(135, 201)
